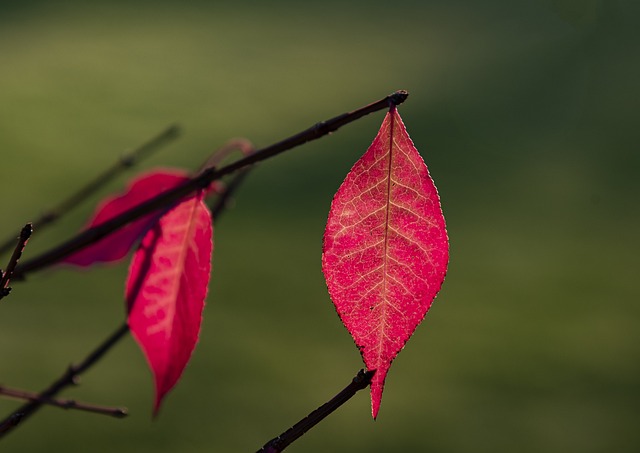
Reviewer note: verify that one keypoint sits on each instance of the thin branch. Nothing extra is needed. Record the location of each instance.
(224, 198)
(19, 394)
(235, 144)
(277, 444)
(126, 161)
(72, 374)
(25, 234)
(200, 181)
(68, 378)
(11, 422)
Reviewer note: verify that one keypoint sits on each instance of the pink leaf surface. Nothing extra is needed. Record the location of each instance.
(386, 250)
(117, 245)
(166, 289)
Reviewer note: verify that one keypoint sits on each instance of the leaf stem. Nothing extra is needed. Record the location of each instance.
(5, 279)
(235, 144)
(68, 378)
(200, 181)
(126, 161)
(223, 199)
(14, 393)
(277, 444)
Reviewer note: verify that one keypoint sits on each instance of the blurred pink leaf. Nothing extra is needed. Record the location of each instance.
(385, 248)
(166, 289)
(116, 246)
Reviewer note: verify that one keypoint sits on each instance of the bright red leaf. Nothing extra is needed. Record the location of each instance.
(166, 289)
(117, 245)
(385, 248)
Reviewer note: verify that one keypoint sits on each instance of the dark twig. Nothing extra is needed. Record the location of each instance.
(126, 161)
(223, 199)
(277, 444)
(63, 403)
(25, 234)
(73, 372)
(235, 144)
(218, 205)
(200, 181)
(11, 422)
(68, 378)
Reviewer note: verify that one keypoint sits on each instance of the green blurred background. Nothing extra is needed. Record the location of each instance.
(526, 113)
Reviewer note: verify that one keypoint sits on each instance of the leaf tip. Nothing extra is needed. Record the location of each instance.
(375, 407)
(156, 406)
(376, 396)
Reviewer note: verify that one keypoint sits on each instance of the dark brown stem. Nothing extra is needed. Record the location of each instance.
(68, 378)
(63, 403)
(236, 144)
(277, 444)
(73, 372)
(5, 279)
(223, 199)
(126, 161)
(200, 181)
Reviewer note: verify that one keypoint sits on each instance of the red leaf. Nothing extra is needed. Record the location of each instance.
(117, 245)
(166, 289)
(385, 248)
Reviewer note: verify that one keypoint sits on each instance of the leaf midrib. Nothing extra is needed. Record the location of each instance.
(383, 321)
(182, 258)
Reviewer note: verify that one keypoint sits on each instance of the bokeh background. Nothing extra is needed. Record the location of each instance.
(526, 113)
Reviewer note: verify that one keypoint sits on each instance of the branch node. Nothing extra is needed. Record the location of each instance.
(127, 161)
(363, 378)
(67, 404)
(398, 97)
(120, 412)
(16, 418)
(69, 377)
